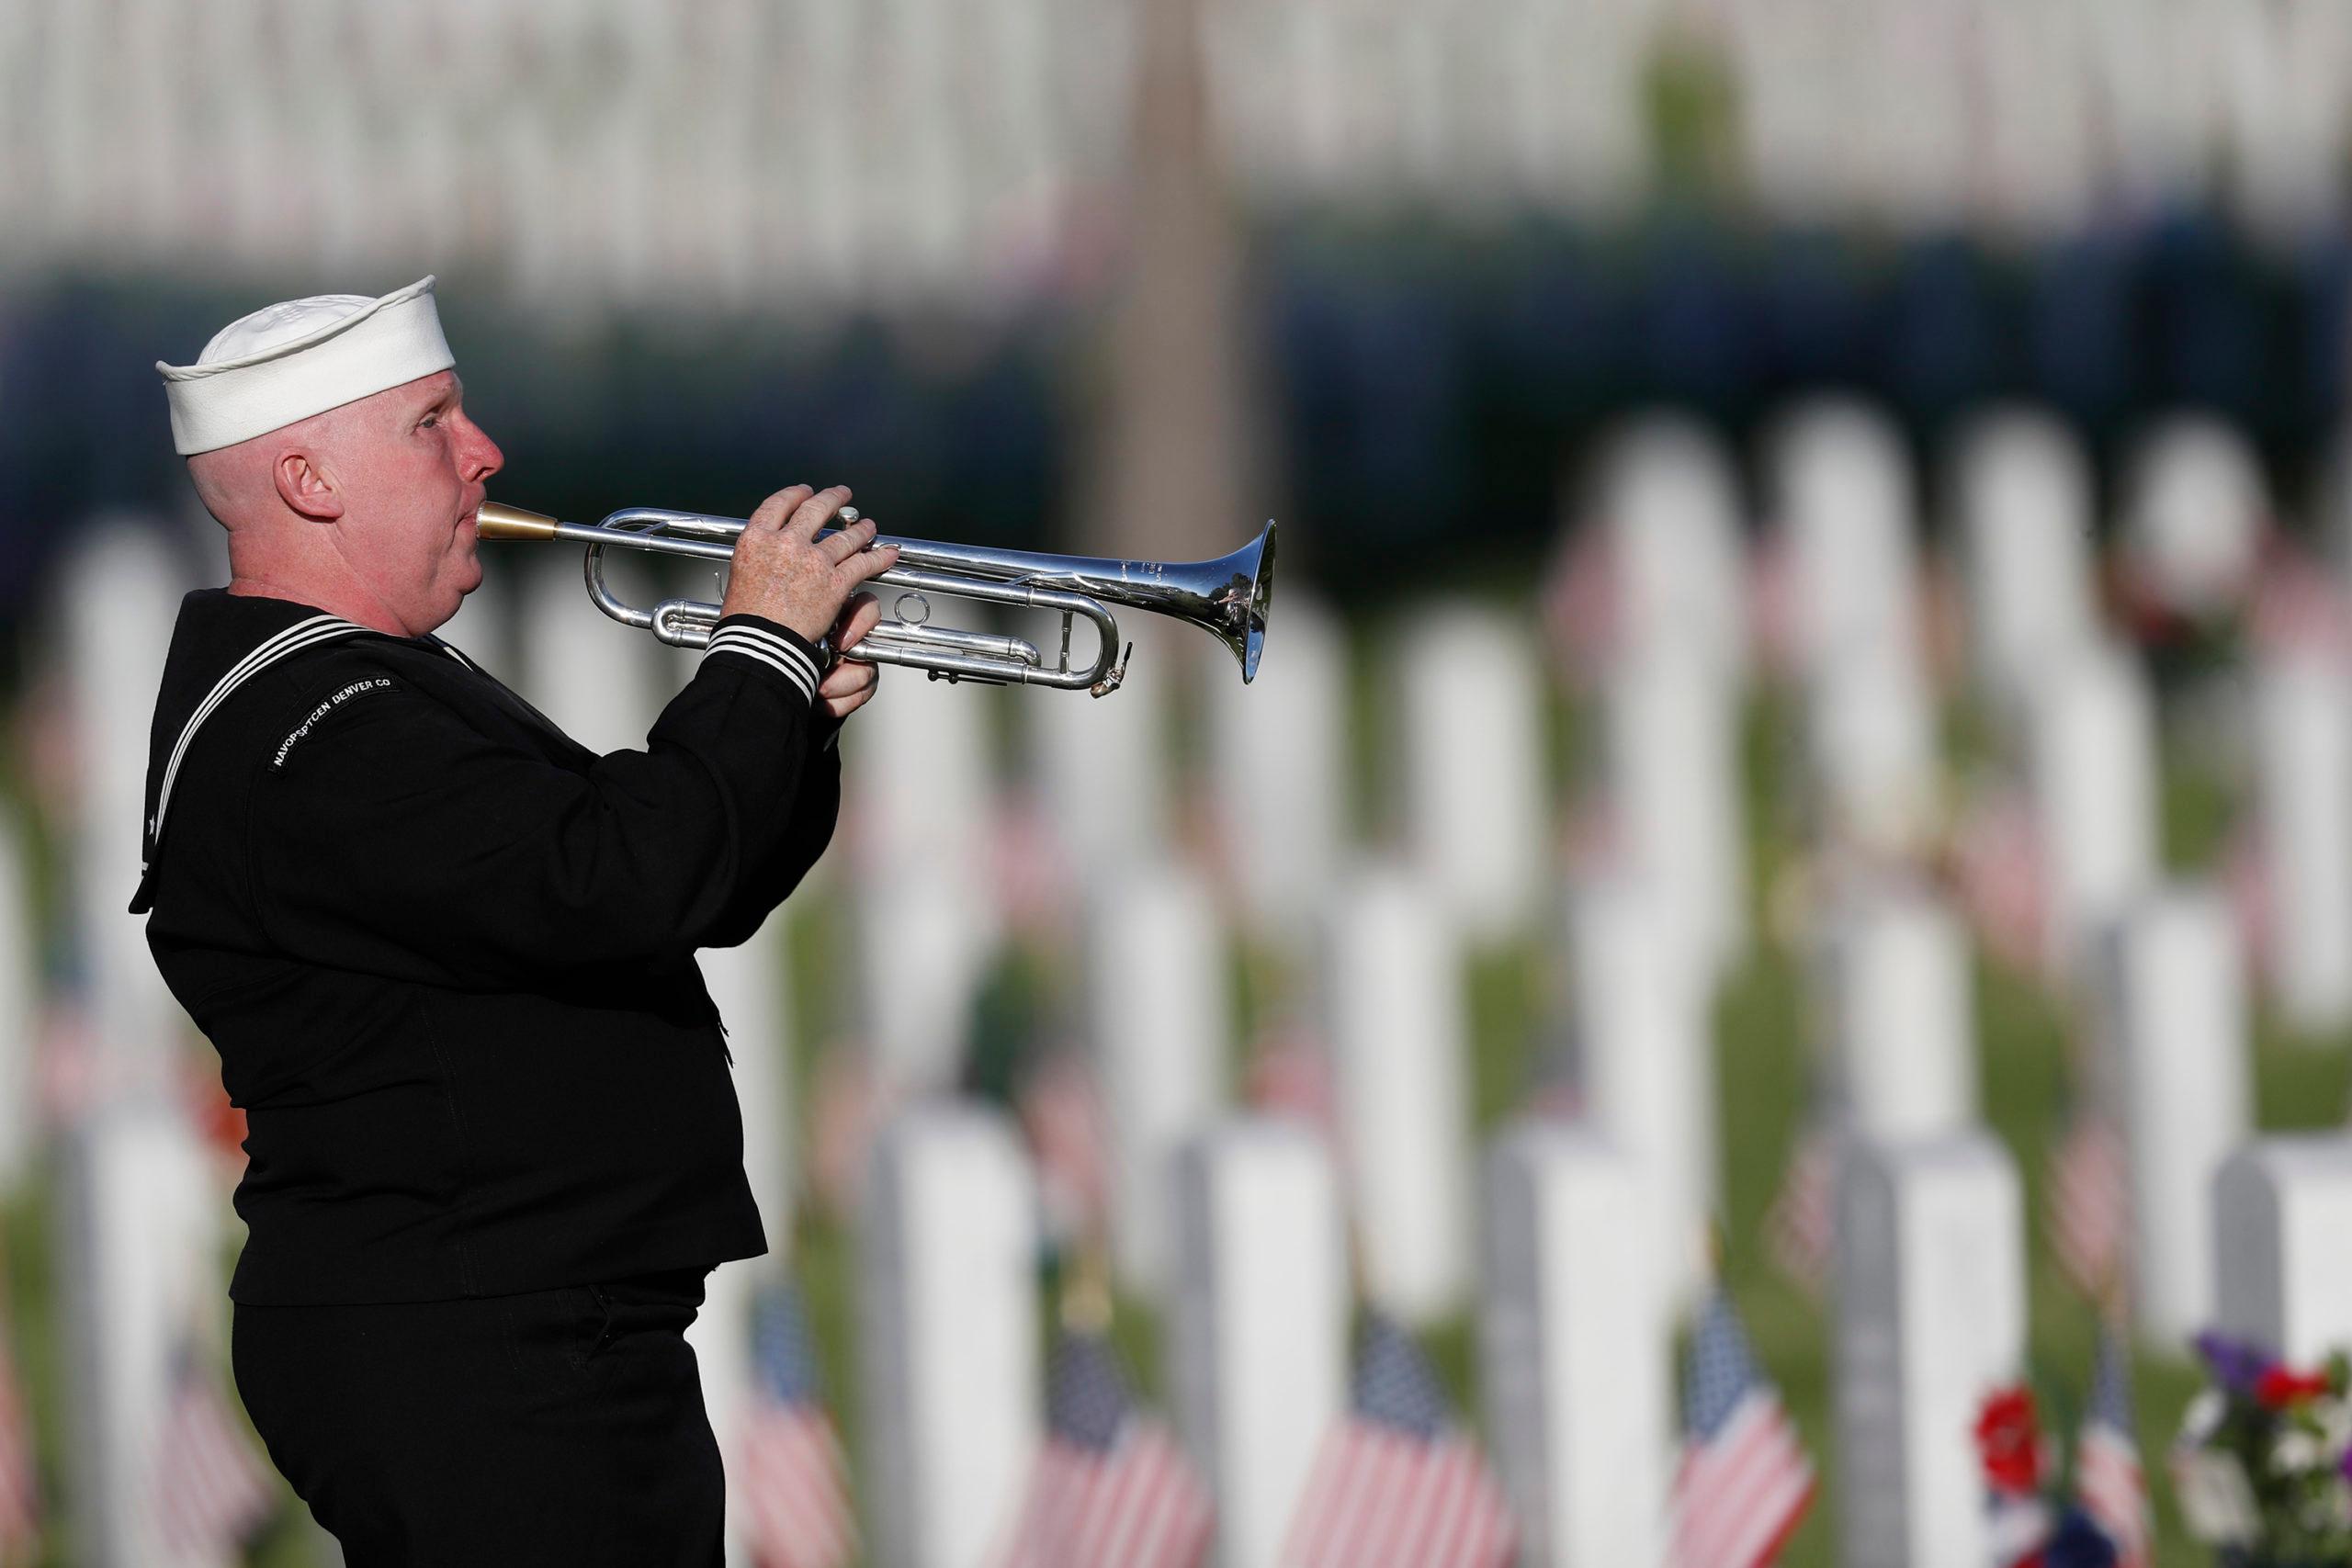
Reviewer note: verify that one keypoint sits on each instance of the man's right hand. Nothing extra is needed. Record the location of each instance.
(784, 573)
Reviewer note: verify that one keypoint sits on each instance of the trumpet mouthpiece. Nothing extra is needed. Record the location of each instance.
(496, 520)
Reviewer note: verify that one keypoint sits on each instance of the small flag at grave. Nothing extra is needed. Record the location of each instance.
(1800, 1228)
(2089, 1215)
(1396, 1485)
(1110, 1485)
(19, 1493)
(2108, 1481)
(209, 1490)
(1745, 1483)
(791, 1462)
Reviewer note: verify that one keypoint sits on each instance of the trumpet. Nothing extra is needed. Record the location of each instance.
(1227, 597)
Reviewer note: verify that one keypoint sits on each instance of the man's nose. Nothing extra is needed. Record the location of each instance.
(481, 456)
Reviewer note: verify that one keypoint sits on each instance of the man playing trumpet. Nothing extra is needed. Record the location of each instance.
(447, 955)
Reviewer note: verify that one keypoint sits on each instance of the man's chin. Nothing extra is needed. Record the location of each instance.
(464, 581)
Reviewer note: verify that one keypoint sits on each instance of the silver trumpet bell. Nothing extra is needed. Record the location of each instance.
(1228, 597)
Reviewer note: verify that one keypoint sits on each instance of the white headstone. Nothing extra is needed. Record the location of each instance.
(20, 1007)
(2283, 1276)
(591, 675)
(1899, 1011)
(119, 594)
(1400, 1032)
(918, 784)
(2175, 1052)
(1670, 501)
(2093, 766)
(747, 983)
(1279, 766)
(725, 1355)
(2195, 514)
(140, 1216)
(1671, 757)
(750, 984)
(1470, 761)
(920, 825)
(1931, 1320)
(1841, 486)
(1257, 1346)
(2025, 501)
(948, 1339)
(1157, 1016)
(1575, 1354)
(922, 951)
(2302, 716)
(1645, 1047)
(1871, 726)
(1100, 768)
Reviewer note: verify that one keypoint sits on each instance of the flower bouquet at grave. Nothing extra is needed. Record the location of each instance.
(2262, 1464)
(2031, 1522)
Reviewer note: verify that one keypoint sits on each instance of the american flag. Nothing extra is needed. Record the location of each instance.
(2108, 1479)
(2017, 1527)
(2089, 1217)
(20, 1495)
(210, 1491)
(1800, 1228)
(1745, 1483)
(1395, 1485)
(1111, 1486)
(791, 1463)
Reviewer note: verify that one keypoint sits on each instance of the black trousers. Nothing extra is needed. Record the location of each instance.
(560, 1426)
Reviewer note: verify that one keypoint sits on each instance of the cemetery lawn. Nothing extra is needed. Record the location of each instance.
(1764, 1057)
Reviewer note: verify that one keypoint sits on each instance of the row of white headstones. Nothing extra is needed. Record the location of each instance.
(1575, 1345)
(1649, 923)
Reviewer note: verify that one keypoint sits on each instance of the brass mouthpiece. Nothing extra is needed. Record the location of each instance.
(498, 521)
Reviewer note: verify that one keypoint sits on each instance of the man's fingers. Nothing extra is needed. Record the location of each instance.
(862, 615)
(869, 563)
(818, 510)
(847, 678)
(847, 540)
(771, 513)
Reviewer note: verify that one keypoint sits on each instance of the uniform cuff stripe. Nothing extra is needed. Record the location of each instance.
(767, 642)
(769, 650)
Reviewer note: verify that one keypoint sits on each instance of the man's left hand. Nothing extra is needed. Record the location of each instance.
(848, 684)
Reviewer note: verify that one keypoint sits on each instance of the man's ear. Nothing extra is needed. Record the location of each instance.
(306, 486)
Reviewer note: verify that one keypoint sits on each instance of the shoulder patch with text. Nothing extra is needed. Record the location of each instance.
(339, 698)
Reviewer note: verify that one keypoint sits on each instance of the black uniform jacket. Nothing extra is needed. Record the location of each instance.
(446, 953)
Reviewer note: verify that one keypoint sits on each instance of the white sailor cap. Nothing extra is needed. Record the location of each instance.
(300, 358)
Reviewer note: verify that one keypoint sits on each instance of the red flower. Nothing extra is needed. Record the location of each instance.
(2278, 1387)
(2008, 1440)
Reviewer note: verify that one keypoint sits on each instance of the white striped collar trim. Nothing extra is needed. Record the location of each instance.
(451, 650)
(776, 652)
(302, 634)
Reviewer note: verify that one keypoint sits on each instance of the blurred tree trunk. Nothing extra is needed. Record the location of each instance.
(1171, 458)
